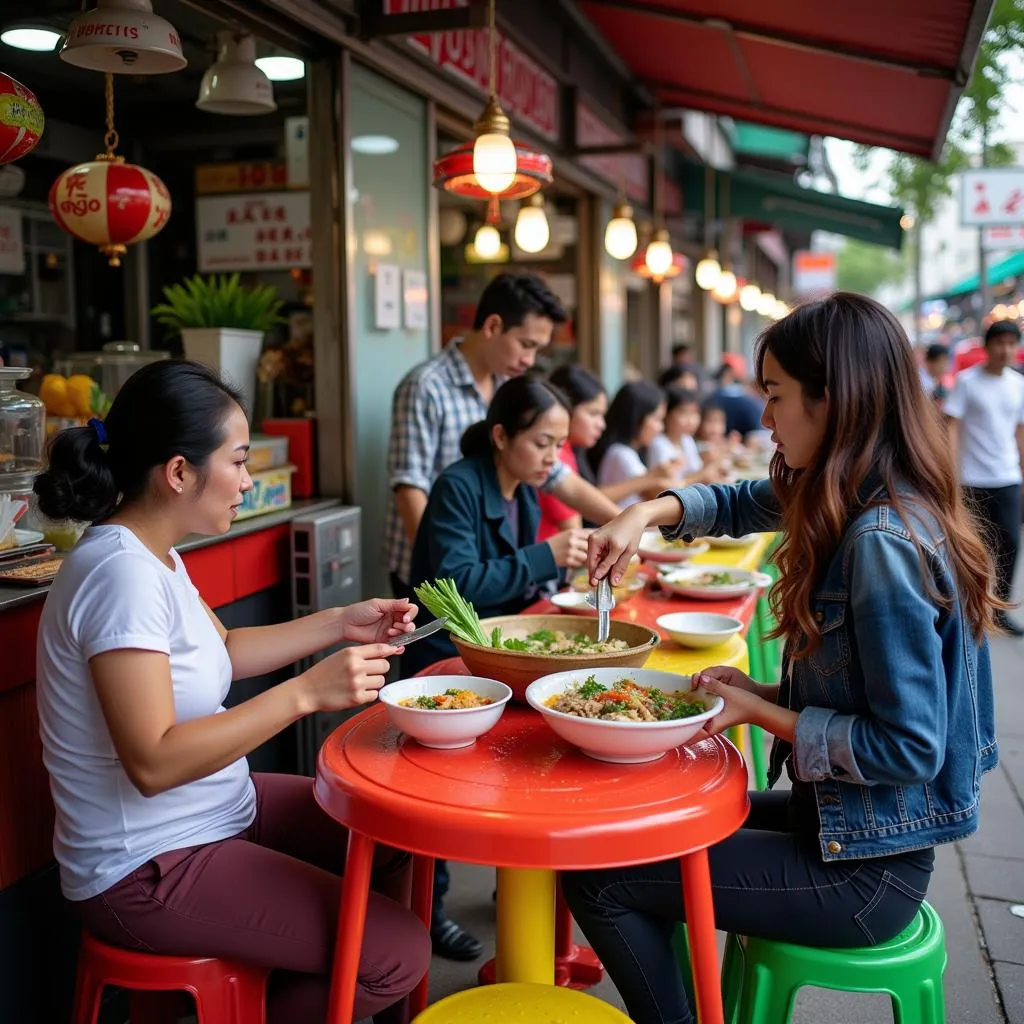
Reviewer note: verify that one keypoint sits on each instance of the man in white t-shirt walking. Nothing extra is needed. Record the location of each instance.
(986, 415)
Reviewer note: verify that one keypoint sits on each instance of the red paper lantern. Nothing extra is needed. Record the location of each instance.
(110, 204)
(454, 173)
(21, 120)
(640, 268)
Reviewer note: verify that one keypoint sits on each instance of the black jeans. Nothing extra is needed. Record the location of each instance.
(441, 878)
(768, 880)
(1000, 511)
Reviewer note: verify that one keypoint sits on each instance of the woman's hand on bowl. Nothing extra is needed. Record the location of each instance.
(743, 703)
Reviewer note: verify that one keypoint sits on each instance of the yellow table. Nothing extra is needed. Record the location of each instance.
(749, 558)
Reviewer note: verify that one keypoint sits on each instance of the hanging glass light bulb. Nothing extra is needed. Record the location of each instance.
(659, 256)
(766, 304)
(487, 242)
(781, 309)
(494, 154)
(708, 271)
(726, 283)
(532, 232)
(620, 235)
(750, 296)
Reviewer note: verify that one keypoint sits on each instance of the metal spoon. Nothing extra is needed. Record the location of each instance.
(603, 600)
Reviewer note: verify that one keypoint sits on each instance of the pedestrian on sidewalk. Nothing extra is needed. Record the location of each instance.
(986, 417)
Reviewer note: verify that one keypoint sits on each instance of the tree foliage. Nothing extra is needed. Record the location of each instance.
(864, 267)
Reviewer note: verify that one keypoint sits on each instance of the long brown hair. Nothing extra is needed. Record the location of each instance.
(884, 441)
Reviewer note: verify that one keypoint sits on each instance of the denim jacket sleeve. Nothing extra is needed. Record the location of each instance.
(901, 738)
(730, 510)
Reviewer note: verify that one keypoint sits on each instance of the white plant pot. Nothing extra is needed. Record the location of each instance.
(231, 351)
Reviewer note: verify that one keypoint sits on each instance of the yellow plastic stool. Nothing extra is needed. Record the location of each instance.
(521, 1003)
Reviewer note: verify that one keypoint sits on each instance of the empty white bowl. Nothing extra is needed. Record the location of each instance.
(621, 742)
(699, 629)
(445, 730)
(572, 602)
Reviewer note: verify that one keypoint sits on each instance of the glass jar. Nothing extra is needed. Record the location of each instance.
(22, 431)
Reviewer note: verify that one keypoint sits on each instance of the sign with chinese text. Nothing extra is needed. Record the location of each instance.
(1002, 238)
(992, 197)
(629, 168)
(254, 176)
(527, 92)
(12, 249)
(262, 232)
(814, 273)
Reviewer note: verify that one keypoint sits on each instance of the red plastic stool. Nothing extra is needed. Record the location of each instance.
(225, 991)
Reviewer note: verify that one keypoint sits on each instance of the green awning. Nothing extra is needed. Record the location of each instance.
(759, 140)
(779, 201)
(1012, 266)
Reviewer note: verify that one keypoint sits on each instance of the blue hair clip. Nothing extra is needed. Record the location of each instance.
(100, 430)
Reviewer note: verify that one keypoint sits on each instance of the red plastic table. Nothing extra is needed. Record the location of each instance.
(527, 802)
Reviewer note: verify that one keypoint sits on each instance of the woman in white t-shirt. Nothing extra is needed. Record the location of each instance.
(165, 840)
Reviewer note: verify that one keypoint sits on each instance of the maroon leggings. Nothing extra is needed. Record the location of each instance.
(269, 896)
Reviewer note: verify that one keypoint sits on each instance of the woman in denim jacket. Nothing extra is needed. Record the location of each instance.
(884, 717)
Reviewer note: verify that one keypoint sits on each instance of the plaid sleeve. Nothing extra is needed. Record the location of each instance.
(415, 436)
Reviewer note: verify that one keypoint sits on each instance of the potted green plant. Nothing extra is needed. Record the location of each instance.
(222, 324)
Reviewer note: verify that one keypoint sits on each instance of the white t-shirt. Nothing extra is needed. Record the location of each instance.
(621, 463)
(112, 593)
(989, 409)
(664, 450)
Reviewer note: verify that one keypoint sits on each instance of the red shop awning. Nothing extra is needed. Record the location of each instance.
(881, 72)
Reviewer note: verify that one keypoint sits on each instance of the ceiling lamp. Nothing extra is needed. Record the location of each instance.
(493, 164)
(532, 232)
(722, 292)
(107, 202)
(487, 242)
(123, 36)
(750, 296)
(726, 283)
(279, 68)
(494, 155)
(620, 235)
(708, 271)
(21, 120)
(641, 268)
(233, 84)
(766, 304)
(781, 309)
(658, 256)
(37, 38)
(454, 173)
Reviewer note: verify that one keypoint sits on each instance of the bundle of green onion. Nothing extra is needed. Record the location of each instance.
(442, 598)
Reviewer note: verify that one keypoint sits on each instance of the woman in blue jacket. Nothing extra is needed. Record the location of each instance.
(480, 524)
(884, 717)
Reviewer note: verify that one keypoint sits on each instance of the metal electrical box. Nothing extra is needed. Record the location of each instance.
(326, 573)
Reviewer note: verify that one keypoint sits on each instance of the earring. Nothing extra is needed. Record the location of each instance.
(180, 489)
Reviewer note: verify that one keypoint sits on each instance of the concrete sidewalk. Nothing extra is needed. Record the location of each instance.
(975, 885)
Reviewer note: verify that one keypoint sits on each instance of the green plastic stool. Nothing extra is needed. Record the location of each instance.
(761, 978)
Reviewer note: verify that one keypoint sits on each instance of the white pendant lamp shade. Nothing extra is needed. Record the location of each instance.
(658, 256)
(750, 296)
(233, 84)
(487, 242)
(766, 304)
(620, 239)
(708, 272)
(123, 36)
(532, 232)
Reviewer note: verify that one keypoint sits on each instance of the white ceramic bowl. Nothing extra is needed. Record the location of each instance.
(699, 629)
(444, 730)
(620, 742)
(572, 602)
(684, 581)
(654, 548)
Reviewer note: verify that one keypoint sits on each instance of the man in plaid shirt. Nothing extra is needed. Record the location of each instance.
(433, 407)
